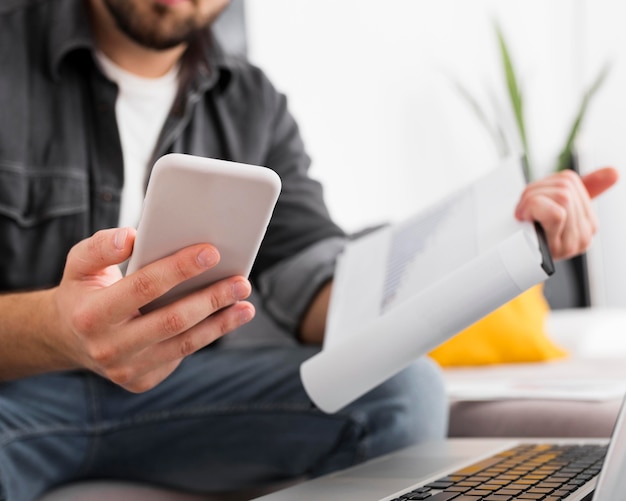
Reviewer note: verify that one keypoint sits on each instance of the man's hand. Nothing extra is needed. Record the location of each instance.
(561, 203)
(98, 325)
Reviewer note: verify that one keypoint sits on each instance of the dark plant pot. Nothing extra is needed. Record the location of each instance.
(569, 286)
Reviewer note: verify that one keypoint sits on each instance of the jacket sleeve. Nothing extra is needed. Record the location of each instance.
(302, 243)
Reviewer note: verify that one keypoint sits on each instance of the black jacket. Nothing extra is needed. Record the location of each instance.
(61, 167)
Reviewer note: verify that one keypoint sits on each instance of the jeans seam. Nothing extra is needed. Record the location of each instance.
(2, 494)
(12, 436)
(154, 417)
(104, 427)
(92, 436)
(217, 410)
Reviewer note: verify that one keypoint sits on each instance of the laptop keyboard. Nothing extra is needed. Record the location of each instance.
(537, 472)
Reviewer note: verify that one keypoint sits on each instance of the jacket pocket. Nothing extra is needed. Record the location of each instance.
(29, 197)
(43, 213)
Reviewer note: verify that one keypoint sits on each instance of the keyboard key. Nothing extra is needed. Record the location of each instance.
(478, 492)
(552, 485)
(458, 488)
(510, 492)
(561, 493)
(418, 496)
(539, 490)
(439, 484)
(526, 481)
(479, 466)
(444, 496)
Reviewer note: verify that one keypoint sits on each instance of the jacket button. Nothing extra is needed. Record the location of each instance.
(107, 196)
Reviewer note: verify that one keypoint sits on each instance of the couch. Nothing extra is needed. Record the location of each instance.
(595, 339)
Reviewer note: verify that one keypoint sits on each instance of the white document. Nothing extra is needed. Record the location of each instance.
(406, 288)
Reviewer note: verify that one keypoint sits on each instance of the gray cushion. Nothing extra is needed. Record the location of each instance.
(528, 417)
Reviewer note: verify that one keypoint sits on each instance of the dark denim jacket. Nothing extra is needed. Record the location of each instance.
(61, 168)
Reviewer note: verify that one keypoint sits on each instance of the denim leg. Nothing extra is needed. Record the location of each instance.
(225, 419)
(409, 408)
(43, 440)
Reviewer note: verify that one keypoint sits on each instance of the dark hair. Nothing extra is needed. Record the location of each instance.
(194, 60)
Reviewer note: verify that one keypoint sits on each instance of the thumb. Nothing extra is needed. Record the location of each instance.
(600, 180)
(104, 248)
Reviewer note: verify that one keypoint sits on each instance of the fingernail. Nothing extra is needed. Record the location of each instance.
(246, 315)
(120, 238)
(241, 289)
(207, 258)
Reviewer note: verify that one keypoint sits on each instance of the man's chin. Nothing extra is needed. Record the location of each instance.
(172, 3)
(160, 24)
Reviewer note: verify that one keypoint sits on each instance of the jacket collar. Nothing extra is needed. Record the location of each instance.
(69, 31)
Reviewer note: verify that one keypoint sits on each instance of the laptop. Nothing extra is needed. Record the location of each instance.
(482, 469)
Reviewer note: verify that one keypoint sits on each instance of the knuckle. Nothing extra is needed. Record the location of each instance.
(145, 381)
(140, 386)
(182, 270)
(172, 323)
(558, 215)
(83, 320)
(216, 301)
(144, 286)
(565, 180)
(226, 322)
(187, 347)
(104, 355)
(586, 240)
(123, 376)
(560, 252)
(570, 248)
(568, 176)
(562, 196)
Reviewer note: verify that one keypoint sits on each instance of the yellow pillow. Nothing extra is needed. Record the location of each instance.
(513, 333)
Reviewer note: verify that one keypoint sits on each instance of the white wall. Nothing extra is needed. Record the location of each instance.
(370, 83)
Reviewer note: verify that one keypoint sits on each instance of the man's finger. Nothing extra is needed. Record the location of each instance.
(600, 180)
(200, 335)
(173, 319)
(94, 254)
(154, 280)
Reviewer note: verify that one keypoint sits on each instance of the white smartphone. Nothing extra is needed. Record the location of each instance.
(191, 200)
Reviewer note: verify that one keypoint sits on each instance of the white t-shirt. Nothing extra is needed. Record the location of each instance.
(141, 109)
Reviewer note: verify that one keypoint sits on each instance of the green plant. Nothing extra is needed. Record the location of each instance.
(516, 102)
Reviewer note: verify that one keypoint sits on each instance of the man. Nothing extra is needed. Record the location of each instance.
(91, 92)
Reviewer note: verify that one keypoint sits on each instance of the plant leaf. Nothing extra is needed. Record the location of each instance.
(494, 130)
(566, 155)
(514, 92)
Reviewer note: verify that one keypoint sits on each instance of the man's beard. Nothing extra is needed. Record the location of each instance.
(154, 31)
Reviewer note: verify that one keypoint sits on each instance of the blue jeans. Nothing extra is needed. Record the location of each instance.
(225, 419)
